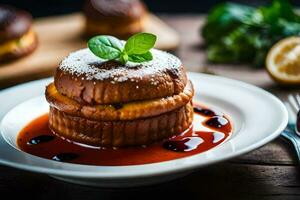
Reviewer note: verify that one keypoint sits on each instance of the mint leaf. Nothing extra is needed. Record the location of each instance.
(136, 48)
(140, 43)
(106, 47)
(138, 58)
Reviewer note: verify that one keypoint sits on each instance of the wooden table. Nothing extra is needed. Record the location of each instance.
(270, 172)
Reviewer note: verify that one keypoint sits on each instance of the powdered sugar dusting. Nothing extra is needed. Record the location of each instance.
(80, 63)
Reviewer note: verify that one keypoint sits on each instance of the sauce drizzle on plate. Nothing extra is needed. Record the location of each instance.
(209, 130)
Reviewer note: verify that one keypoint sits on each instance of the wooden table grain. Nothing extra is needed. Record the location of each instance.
(270, 172)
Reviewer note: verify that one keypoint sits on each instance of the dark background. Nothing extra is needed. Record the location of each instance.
(53, 7)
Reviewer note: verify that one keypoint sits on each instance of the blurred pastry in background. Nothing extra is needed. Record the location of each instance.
(120, 18)
(17, 37)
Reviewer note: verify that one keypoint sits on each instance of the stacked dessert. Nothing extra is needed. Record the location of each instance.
(121, 18)
(17, 37)
(104, 102)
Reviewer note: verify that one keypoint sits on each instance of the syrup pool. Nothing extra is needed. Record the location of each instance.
(209, 129)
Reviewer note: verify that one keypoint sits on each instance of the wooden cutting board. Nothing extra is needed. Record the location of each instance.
(58, 36)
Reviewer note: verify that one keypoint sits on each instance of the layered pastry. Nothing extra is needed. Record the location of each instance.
(17, 37)
(120, 18)
(105, 103)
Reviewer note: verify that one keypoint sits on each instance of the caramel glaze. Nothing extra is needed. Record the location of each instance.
(37, 139)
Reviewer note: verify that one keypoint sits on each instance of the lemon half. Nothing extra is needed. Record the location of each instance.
(283, 61)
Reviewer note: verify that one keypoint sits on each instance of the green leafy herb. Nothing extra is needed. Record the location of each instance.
(140, 43)
(136, 49)
(239, 33)
(106, 47)
(140, 57)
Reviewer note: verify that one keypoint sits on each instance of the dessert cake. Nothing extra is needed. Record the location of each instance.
(106, 103)
(17, 37)
(121, 18)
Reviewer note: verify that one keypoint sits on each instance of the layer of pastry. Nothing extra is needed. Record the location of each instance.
(86, 78)
(126, 111)
(18, 47)
(120, 133)
(19, 43)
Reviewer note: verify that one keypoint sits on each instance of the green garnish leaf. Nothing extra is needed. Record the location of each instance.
(105, 47)
(140, 43)
(136, 49)
(140, 57)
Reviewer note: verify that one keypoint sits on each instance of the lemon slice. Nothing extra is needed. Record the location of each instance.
(283, 61)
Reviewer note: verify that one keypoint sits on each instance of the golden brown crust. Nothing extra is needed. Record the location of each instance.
(121, 133)
(20, 51)
(128, 111)
(167, 83)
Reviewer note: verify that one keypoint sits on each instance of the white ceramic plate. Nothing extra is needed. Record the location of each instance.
(258, 117)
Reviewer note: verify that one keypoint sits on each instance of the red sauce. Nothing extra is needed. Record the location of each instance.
(37, 139)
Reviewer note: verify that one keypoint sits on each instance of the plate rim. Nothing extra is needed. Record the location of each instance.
(179, 168)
